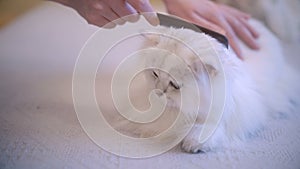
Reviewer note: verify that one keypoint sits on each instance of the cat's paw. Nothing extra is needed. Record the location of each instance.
(192, 145)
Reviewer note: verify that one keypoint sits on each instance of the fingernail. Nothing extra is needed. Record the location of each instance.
(132, 18)
(109, 25)
(119, 21)
(241, 56)
(152, 18)
(255, 46)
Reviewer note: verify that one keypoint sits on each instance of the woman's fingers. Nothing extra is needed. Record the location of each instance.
(144, 7)
(252, 30)
(220, 20)
(243, 32)
(102, 12)
(100, 21)
(233, 41)
(108, 13)
(212, 15)
(141, 5)
(241, 26)
(130, 13)
(124, 10)
(235, 12)
(242, 17)
(98, 13)
(198, 20)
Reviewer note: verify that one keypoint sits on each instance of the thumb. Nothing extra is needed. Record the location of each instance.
(145, 8)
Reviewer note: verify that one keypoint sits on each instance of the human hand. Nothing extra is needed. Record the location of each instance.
(105, 12)
(219, 18)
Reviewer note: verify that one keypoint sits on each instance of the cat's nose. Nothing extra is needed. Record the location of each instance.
(159, 93)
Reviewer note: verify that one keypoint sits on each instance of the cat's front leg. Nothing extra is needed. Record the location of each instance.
(191, 143)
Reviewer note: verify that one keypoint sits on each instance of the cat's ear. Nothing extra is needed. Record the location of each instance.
(198, 68)
(152, 38)
(211, 70)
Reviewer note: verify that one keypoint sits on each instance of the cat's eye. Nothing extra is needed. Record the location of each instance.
(176, 86)
(154, 74)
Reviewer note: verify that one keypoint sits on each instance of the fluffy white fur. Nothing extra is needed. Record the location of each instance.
(258, 88)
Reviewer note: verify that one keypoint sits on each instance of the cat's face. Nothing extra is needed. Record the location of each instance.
(170, 78)
(171, 84)
(163, 82)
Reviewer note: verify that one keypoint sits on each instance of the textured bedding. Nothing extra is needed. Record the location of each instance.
(39, 127)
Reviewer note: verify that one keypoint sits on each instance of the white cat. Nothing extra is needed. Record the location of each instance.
(256, 88)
